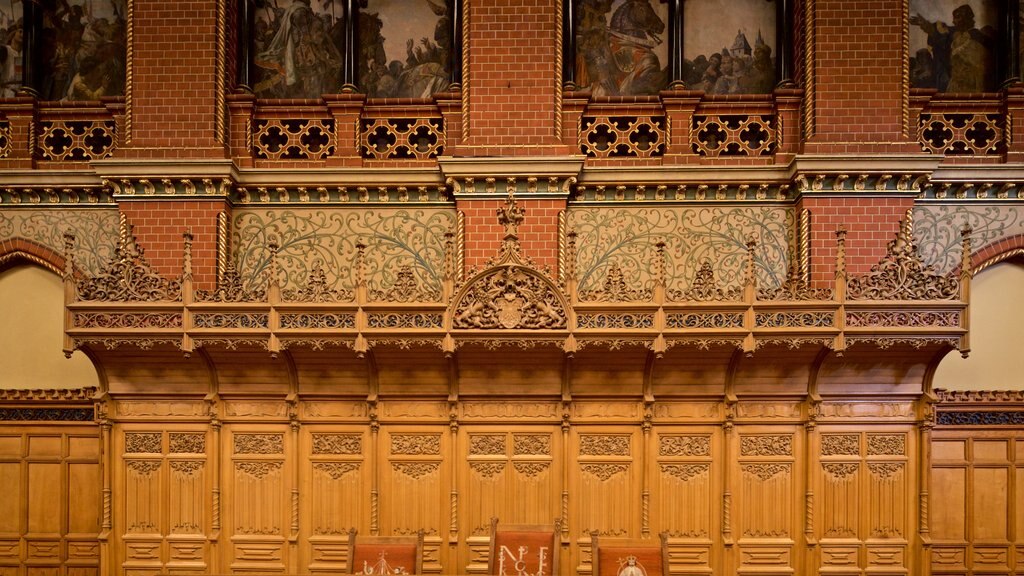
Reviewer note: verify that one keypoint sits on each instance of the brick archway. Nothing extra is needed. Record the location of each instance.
(15, 251)
(996, 252)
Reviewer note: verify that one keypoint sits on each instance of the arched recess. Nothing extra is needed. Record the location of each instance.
(31, 342)
(997, 315)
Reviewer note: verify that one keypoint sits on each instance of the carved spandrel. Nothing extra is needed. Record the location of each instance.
(531, 469)
(487, 470)
(684, 446)
(258, 470)
(416, 470)
(337, 444)
(604, 472)
(765, 472)
(685, 472)
(767, 445)
(416, 444)
(335, 470)
(259, 443)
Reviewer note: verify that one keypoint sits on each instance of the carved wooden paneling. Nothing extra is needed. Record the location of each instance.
(163, 502)
(975, 502)
(49, 500)
(863, 498)
(607, 470)
(685, 494)
(336, 482)
(258, 506)
(415, 485)
(764, 485)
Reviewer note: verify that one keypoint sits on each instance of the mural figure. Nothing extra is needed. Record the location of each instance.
(958, 58)
(737, 67)
(83, 46)
(11, 33)
(298, 49)
(623, 56)
(387, 28)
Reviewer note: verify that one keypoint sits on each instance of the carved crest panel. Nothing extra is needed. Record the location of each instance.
(510, 297)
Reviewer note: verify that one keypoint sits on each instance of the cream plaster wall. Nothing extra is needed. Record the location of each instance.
(996, 361)
(31, 331)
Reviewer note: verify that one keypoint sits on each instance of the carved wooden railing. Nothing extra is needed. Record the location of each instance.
(900, 302)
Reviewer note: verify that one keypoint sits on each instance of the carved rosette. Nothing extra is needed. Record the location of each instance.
(510, 297)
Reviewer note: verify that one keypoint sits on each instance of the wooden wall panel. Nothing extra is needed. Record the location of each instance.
(976, 523)
(49, 500)
(336, 482)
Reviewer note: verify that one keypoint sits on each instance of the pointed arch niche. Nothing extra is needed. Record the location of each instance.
(31, 342)
(997, 315)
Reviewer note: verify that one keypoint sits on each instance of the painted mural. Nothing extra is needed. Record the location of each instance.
(621, 46)
(11, 33)
(626, 238)
(298, 48)
(394, 239)
(405, 48)
(729, 46)
(83, 48)
(937, 230)
(953, 45)
(95, 232)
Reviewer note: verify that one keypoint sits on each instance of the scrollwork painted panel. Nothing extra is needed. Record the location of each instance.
(95, 232)
(937, 230)
(395, 239)
(626, 237)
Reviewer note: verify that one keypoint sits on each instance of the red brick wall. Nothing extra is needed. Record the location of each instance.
(159, 226)
(173, 68)
(858, 69)
(871, 223)
(538, 235)
(512, 87)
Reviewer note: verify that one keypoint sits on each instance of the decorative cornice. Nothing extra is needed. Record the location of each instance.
(48, 395)
(524, 176)
(987, 397)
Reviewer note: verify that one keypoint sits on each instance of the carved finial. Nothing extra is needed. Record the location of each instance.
(841, 251)
(965, 249)
(360, 263)
(570, 256)
(511, 216)
(751, 246)
(124, 233)
(659, 263)
(186, 269)
(69, 247)
(273, 246)
(449, 255)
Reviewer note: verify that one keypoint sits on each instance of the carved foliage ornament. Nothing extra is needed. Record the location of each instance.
(142, 443)
(188, 443)
(337, 444)
(487, 444)
(901, 276)
(510, 296)
(766, 445)
(259, 444)
(593, 445)
(685, 446)
(128, 277)
(524, 444)
(705, 288)
(416, 444)
(685, 472)
(840, 444)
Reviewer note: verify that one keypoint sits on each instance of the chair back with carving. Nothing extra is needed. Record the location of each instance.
(379, 555)
(524, 548)
(629, 557)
